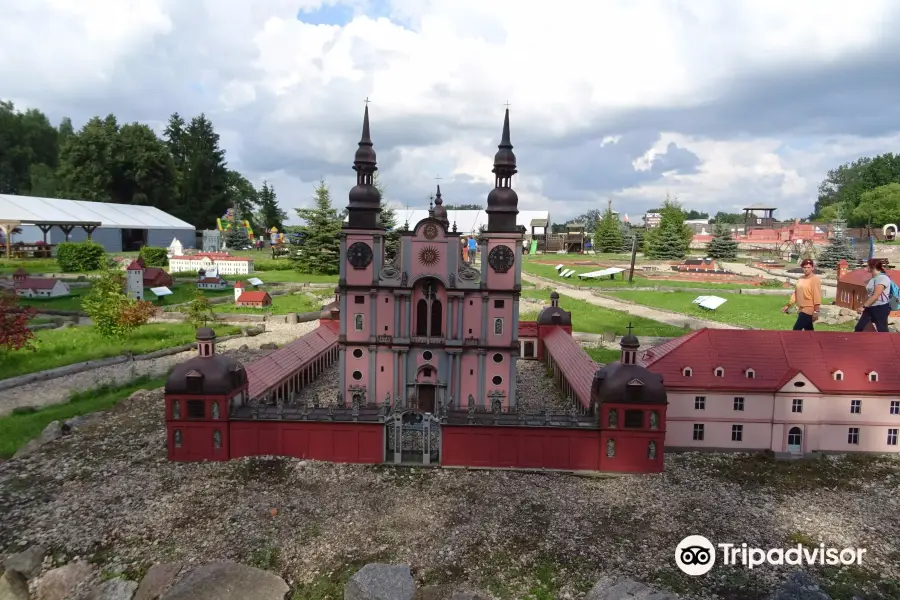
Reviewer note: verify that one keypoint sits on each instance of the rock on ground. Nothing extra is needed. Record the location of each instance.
(158, 578)
(228, 581)
(27, 563)
(377, 581)
(611, 588)
(58, 583)
(112, 589)
(13, 586)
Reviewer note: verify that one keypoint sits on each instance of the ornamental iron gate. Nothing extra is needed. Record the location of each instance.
(413, 437)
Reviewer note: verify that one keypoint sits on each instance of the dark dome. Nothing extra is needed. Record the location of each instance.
(629, 340)
(220, 374)
(554, 315)
(365, 154)
(205, 334)
(362, 195)
(617, 382)
(554, 295)
(500, 198)
(505, 157)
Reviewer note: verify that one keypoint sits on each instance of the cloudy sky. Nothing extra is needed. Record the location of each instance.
(720, 103)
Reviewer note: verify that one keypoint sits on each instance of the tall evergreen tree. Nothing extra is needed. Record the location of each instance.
(270, 214)
(320, 248)
(389, 222)
(237, 238)
(672, 238)
(608, 236)
(629, 233)
(838, 249)
(722, 245)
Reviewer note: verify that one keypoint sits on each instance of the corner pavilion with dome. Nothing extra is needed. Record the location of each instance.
(426, 347)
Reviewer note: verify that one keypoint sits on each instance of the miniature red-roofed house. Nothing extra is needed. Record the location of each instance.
(851, 287)
(32, 287)
(254, 299)
(210, 283)
(786, 391)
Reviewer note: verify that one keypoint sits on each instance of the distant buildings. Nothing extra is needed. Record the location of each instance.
(30, 287)
(223, 262)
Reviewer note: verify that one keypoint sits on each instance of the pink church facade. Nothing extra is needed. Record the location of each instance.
(784, 391)
(424, 326)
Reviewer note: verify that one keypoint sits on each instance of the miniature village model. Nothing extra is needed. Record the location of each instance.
(34, 287)
(223, 262)
(253, 299)
(426, 347)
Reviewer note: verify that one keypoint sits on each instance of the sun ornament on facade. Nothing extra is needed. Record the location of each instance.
(429, 256)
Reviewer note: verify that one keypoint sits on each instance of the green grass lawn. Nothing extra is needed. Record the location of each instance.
(604, 355)
(70, 302)
(24, 425)
(281, 305)
(180, 293)
(549, 272)
(590, 318)
(8, 266)
(759, 312)
(59, 347)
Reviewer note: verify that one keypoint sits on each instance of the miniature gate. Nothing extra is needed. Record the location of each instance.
(413, 437)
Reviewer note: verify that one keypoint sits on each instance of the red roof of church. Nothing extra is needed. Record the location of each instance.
(270, 370)
(777, 356)
(211, 280)
(134, 266)
(862, 276)
(32, 283)
(573, 361)
(239, 284)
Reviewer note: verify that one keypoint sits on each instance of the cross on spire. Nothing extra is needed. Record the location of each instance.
(507, 105)
(438, 178)
(367, 100)
(630, 327)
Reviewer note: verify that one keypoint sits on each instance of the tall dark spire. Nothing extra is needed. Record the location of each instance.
(502, 201)
(440, 213)
(365, 200)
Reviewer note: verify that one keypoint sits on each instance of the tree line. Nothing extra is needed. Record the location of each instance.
(864, 192)
(183, 172)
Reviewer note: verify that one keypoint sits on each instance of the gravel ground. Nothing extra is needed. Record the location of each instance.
(55, 391)
(108, 493)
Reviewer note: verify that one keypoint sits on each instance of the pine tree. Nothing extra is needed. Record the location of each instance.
(838, 249)
(722, 246)
(672, 238)
(628, 235)
(608, 237)
(389, 222)
(320, 246)
(270, 214)
(236, 238)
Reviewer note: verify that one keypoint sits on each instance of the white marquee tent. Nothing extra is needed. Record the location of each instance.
(469, 221)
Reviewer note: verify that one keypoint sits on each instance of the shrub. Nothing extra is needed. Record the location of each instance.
(154, 257)
(14, 334)
(80, 257)
(135, 313)
(198, 310)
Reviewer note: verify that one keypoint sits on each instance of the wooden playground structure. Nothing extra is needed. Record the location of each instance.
(572, 241)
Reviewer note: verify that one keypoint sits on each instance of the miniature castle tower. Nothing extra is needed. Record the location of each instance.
(238, 289)
(18, 277)
(134, 281)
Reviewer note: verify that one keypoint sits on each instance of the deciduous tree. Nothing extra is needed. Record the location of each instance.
(880, 206)
(14, 333)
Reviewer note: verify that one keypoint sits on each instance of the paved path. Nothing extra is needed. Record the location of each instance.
(663, 316)
(829, 287)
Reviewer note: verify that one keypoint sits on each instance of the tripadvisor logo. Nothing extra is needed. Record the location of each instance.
(696, 555)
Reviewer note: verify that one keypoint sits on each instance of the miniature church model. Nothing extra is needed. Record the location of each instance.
(426, 328)
(134, 280)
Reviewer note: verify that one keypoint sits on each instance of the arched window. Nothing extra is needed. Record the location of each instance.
(838, 375)
(750, 373)
(176, 409)
(422, 317)
(610, 448)
(720, 372)
(687, 372)
(217, 439)
(873, 376)
(215, 410)
(437, 315)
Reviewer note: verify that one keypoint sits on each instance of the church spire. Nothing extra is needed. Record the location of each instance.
(365, 201)
(502, 201)
(629, 345)
(440, 213)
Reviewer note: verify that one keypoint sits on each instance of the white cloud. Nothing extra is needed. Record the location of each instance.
(297, 88)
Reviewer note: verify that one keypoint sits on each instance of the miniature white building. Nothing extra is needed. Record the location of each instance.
(238, 290)
(134, 280)
(210, 281)
(175, 248)
(29, 287)
(222, 262)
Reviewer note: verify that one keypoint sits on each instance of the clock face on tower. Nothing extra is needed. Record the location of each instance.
(359, 255)
(501, 258)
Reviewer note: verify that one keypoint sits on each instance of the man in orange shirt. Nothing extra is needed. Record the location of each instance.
(807, 296)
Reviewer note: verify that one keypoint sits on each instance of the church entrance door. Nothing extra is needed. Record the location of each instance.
(427, 396)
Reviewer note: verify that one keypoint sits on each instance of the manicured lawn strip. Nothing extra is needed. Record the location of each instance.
(549, 272)
(604, 355)
(24, 425)
(590, 318)
(180, 293)
(60, 347)
(8, 266)
(281, 305)
(759, 312)
(71, 302)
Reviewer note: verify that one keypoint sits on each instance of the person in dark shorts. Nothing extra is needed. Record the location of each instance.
(807, 296)
(877, 307)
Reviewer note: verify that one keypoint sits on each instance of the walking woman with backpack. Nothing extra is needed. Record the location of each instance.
(882, 296)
